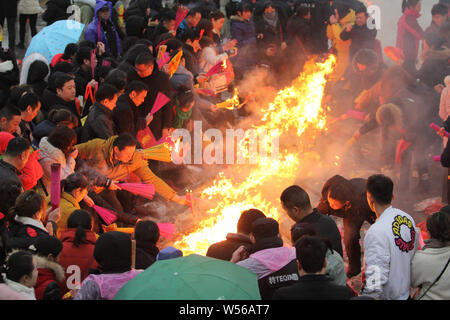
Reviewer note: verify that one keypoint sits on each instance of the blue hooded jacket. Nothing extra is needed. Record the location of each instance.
(94, 31)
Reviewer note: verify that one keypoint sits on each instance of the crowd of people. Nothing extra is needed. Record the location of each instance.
(91, 109)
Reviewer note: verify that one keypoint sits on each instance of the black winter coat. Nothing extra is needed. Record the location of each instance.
(9, 174)
(56, 10)
(361, 37)
(157, 82)
(43, 129)
(313, 287)
(8, 8)
(36, 76)
(320, 13)
(126, 115)
(146, 253)
(21, 236)
(50, 101)
(325, 228)
(359, 208)
(99, 124)
(224, 250)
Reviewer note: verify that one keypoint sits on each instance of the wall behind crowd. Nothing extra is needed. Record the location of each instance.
(391, 11)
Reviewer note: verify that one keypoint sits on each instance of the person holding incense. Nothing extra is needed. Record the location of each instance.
(116, 159)
(158, 83)
(126, 114)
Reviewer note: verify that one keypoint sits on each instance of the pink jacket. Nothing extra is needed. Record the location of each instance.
(444, 107)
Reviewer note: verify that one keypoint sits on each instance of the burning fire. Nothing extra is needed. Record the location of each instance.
(231, 103)
(297, 114)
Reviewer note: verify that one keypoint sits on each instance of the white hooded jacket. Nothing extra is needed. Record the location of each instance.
(49, 155)
(389, 245)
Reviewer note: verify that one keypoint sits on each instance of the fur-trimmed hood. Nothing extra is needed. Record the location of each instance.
(56, 268)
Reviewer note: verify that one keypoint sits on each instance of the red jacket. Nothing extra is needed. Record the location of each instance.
(50, 280)
(82, 256)
(57, 58)
(32, 171)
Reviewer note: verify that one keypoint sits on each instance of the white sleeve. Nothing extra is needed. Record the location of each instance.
(376, 264)
(68, 169)
(210, 56)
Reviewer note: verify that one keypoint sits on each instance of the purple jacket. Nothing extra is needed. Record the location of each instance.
(94, 31)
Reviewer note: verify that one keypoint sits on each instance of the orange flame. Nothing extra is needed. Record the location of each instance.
(297, 114)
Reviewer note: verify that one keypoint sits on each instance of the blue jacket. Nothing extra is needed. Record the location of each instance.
(94, 31)
(245, 34)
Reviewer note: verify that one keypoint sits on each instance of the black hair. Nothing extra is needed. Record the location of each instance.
(82, 54)
(61, 79)
(103, 71)
(216, 15)
(70, 50)
(173, 45)
(381, 188)
(129, 42)
(295, 196)
(125, 140)
(19, 264)
(167, 15)
(116, 78)
(247, 218)
(145, 42)
(191, 34)
(16, 92)
(408, 4)
(342, 7)
(438, 225)
(301, 229)
(80, 220)
(74, 181)
(17, 146)
(134, 52)
(193, 12)
(205, 41)
(342, 191)
(184, 96)
(147, 231)
(311, 253)
(63, 138)
(439, 9)
(9, 112)
(62, 116)
(63, 66)
(362, 10)
(28, 99)
(137, 86)
(206, 24)
(302, 11)
(86, 43)
(144, 58)
(8, 195)
(243, 6)
(27, 205)
(106, 91)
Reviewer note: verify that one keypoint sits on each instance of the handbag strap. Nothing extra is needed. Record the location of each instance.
(437, 279)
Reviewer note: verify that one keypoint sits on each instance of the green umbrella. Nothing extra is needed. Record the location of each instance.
(192, 278)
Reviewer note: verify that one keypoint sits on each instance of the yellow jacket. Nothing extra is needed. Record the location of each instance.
(67, 205)
(342, 47)
(98, 154)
